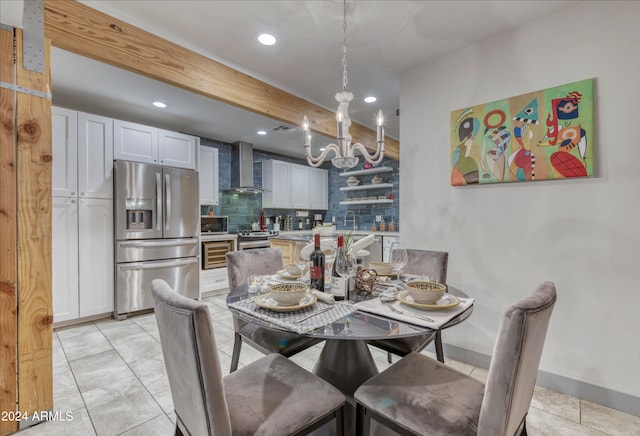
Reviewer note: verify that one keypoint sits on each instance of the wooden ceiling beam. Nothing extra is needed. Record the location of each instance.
(77, 28)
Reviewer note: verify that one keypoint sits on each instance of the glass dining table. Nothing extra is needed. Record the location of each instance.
(345, 360)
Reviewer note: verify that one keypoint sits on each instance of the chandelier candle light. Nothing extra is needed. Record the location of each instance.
(345, 151)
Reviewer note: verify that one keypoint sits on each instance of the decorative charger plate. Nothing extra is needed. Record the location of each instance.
(445, 302)
(265, 301)
(287, 275)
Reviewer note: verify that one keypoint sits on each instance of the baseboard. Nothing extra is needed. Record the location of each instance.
(585, 391)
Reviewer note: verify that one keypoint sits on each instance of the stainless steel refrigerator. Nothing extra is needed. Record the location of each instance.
(156, 214)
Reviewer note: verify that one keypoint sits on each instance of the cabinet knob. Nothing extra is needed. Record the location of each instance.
(73, 193)
(82, 193)
(73, 201)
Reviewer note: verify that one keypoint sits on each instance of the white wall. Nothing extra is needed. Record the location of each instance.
(505, 239)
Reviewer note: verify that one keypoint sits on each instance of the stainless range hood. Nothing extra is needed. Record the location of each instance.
(242, 169)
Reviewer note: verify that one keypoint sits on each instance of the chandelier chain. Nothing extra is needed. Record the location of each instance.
(345, 80)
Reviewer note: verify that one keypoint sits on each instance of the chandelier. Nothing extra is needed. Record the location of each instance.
(344, 150)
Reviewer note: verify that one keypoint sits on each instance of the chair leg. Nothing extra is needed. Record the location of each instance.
(439, 352)
(524, 428)
(235, 355)
(340, 421)
(362, 421)
(389, 357)
(178, 432)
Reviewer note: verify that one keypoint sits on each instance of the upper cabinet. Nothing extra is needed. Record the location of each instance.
(289, 185)
(64, 144)
(276, 182)
(208, 175)
(139, 143)
(95, 156)
(82, 146)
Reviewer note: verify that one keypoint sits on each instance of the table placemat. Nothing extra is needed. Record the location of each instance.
(300, 321)
(439, 317)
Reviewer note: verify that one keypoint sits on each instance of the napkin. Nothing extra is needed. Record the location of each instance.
(323, 296)
(439, 317)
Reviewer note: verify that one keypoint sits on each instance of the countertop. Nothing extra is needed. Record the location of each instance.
(204, 237)
(307, 235)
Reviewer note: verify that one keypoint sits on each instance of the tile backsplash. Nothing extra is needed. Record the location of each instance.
(243, 208)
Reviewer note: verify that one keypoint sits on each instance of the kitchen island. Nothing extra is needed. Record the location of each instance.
(286, 241)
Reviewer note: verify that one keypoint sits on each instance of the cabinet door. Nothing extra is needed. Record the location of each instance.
(95, 241)
(95, 156)
(64, 145)
(177, 149)
(318, 188)
(135, 142)
(286, 247)
(64, 258)
(299, 186)
(277, 181)
(208, 175)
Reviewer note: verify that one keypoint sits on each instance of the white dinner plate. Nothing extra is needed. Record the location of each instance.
(287, 275)
(265, 301)
(445, 302)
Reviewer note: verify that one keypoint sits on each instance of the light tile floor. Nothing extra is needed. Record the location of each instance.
(111, 376)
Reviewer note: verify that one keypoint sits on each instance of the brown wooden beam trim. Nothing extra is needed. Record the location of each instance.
(33, 186)
(77, 28)
(8, 224)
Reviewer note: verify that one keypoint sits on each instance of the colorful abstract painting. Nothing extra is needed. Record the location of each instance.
(542, 135)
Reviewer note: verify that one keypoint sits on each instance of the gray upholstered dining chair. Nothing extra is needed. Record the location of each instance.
(267, 397)
(434, 265)
(421, 396)
(240, 266)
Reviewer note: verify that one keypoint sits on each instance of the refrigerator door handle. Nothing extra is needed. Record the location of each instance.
(158, 199)
(167, 213)
(155, 265)
(163, 243)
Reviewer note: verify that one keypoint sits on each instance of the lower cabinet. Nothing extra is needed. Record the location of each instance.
(82, 257)
(287, 248)
(213, 280)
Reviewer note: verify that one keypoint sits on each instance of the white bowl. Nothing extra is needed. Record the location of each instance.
(425, 292)
(288, 294)
(376, 180)
(381, 267)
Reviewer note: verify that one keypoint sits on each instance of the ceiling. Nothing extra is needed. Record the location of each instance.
(385, 38)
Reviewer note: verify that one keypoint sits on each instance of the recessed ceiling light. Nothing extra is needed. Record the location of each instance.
(159, 104)
(266, 39)
(370, 99)
(261, 132)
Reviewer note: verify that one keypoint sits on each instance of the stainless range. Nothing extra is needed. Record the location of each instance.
(253, 240)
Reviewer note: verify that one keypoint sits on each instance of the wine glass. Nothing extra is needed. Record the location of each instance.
(398, 256)
(346, 266)
(298, 258)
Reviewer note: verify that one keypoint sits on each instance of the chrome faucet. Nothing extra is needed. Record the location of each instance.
(344, 223)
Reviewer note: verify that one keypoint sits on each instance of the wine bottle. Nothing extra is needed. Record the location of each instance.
(338, 283)
(317, 265)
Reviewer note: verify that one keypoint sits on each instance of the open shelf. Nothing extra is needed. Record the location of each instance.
(371, 186)
(348, 203)
(365, 172)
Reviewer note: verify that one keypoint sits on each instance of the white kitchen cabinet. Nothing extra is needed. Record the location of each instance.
(95, 248)
(95, 156)
(135, 142)
(289, 185)
(318, 188)
(139, 143)
(208, 178)
(212, 280)
(82, 218)
(64, 145)
(300, 187)
(82, 257)
(386, 246)
(64, 258)
(276, 182)
(177, 149)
